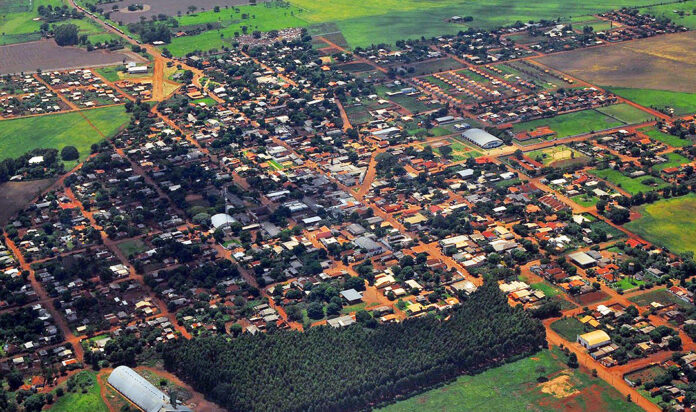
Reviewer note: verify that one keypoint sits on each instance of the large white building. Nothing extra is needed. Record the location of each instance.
(482, 138)
(141, 392)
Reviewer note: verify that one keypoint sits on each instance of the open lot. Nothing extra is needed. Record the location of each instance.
(669, 223)
(47, 55)
(551, 156)
(682, 103)
(660, 63)
(673, 160)
(660, 296)
(568, 328)
(514, 387)
(571, 124)
(669, 139)
(17, 136)
(86, 397)
(632, 185)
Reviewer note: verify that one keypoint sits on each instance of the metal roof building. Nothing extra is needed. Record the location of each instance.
(141, 392)
(222, 220)
(482, 138)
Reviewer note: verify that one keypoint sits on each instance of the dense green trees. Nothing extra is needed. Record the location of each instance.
(66, 34)
(351, 368)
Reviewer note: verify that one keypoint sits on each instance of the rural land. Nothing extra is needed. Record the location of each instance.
(339, 205)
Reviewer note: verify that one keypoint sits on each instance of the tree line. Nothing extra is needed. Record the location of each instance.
(354, 368)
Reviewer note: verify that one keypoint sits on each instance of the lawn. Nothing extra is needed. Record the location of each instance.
(682, 103)
(585, 200)
(669, 223)
(17, 136)
(514, 387)
(568, 328)
(571, 124)
(78, 401)
(208, 101)
(630, 184)
(673, 160)
(668, 139)
(660, 296)
(627, 283)
(548, 290)
(625, 113)
(132, 247)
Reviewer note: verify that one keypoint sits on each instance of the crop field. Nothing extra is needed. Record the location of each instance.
(571, 124)
(514, 386)
(47, 55)
(668, 223)
(632, 185)
(17, 136)
(668, 139)
(682, 103)
(659, 63)
(625, 113)
(17, 22)
(14, 196)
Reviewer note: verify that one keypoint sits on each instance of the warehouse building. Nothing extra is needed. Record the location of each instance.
(595, 339)
(141, 392)
(482, 138)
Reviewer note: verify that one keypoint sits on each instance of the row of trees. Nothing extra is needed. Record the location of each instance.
(354, 367)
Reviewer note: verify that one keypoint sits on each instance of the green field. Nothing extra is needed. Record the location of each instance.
(555, 154)
(132, 247)
(669, 223)
(660, 296)
(668, 139)
(78, 401)
(568, 328)
(682, 103)
(548, 290)
(629, 184)
(18, 136)
(625, 113)
(514, 387)
(571, 124)
(627, 283)
(673, 160)
(688, 18)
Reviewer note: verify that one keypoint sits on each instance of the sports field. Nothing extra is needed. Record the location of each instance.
(18, 136)
(571, 124)
(625, 113)
(669, 223)
(555, 154)
(632, 185)
(682, 103)
(514, 387)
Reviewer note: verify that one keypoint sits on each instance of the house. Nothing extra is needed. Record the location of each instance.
(594, 339)
(351, 296)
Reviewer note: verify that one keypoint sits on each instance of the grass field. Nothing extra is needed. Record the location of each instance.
(629, 184)
(571, 124)
(684, 16)
(673, 160)
(553, 154)
(660, 296)
(669, 223)
(17, 136)
(625, 113)
(682, 103)
(668, 139)
(568, 328)
(78, 401)
(627, 283)
(132, 247)
(514, 387)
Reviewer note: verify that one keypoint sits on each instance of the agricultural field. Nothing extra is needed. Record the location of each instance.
(571, 124)
(14, 196)
(17, 20)
(668, 223)
(515, 387)
(632, 185)
(682, 103)
(17, 136)
(657, 63)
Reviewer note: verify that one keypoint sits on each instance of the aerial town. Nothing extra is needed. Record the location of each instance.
(222, 205)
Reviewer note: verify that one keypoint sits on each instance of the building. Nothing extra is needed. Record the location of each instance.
(594, 339)
(582, 259)
(137, 70)
(141, 392)
(352, 296)
(222, 220)
(482, 138)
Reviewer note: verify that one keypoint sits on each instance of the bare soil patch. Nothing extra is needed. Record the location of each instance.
(664, 62)
(560, 387)
(590, 298)
(14, 196)
(47, 55)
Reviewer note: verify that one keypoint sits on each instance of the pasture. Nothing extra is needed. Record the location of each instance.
(17, 136)
(682, 103)
(514, 386)
(659, 63)
(668, 223)
(632, 185)
(571, 124)
(668, 139)
(625, 113)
